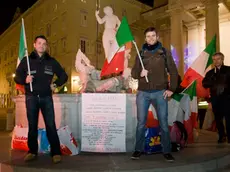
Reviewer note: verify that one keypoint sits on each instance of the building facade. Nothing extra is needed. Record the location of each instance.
(68, 25)
(185, 27)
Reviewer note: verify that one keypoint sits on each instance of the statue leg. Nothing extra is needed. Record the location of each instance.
(106, 44)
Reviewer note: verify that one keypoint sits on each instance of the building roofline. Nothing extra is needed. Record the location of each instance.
(26, 13)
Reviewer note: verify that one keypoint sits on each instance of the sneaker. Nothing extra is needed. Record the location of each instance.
(30, 157)
(222, 140)
(56, 159)
(136, 155)
(168, 157)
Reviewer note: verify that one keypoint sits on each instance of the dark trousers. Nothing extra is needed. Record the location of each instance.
(33, 105)
(221, 109)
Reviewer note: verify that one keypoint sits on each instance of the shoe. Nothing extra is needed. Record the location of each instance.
(136, 155)
(30, 157)
(222, 140)
(168, 157)
(56, 159)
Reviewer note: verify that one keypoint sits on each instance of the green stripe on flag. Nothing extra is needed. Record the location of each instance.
(22, 48)
(210, 49)
(191, 90)
(177, 97)
(124, 34)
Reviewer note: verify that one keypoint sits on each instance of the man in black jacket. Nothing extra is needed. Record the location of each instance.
(218, 80)
(43, 67)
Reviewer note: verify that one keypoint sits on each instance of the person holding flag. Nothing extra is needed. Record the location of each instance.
(36, 72)
(218, 81)
(151, 67)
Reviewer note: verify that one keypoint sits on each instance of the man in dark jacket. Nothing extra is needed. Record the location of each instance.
(42, 67)
(218, 81)
(157, 62)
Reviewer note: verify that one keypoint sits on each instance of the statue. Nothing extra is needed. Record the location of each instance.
(90, 77)
(116, 57)
(115, 74)
(112, 23)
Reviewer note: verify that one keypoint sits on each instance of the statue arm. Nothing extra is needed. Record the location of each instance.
(99, 19)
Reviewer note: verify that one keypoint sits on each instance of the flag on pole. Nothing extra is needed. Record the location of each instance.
(21, 54)
(114, 64)
(191, 122)
(199, 68)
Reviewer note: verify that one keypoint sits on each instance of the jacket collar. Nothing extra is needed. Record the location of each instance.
(35, 55)
(152, 48)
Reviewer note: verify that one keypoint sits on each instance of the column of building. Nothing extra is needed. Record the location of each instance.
(212, 21)
(176, 12)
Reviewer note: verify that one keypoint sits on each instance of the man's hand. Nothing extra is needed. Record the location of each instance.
(167, 94)
(29, 78)
(53, 87)
(144, 73)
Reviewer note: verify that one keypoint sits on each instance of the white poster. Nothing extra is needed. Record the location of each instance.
(103, 122)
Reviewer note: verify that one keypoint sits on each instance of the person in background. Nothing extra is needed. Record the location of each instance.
(218, 81)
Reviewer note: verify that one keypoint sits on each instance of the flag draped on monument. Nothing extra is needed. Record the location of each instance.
(199, 68)
(114, 64)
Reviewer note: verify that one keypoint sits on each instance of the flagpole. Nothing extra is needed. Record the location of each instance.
(138, 53)
(26, 52)
(188, 86)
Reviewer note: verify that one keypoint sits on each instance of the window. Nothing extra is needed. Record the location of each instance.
(54, 48)
(5, 56)
(63, 19)
(55, 7)
(63, 44)
(54, 26)
(82, 45)
(124, 13)
(48, 30)
(98, 47)
(83, 18)
(12, 52)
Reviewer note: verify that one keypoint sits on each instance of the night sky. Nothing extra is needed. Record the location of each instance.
(8, 8)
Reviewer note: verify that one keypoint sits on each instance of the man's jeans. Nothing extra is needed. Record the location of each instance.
(33, 105)
(143, 101)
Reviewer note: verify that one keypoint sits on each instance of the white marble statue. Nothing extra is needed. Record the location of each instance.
(111, 22)
(90, 77)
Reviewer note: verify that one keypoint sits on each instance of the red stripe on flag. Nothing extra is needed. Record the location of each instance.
(151, 121)
(192, 75)
(115, 67)
(20, 88)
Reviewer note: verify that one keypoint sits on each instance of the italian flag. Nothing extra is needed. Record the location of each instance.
(21, 53)
(114, 64)
(199, 68)
(191, 123)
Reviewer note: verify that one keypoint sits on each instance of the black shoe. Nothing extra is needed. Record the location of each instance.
(168, 157)
(222, 140)
(136, 155)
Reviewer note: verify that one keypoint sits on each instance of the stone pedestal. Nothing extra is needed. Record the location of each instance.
(68, 112)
